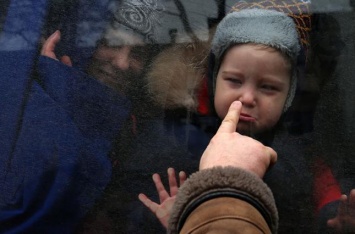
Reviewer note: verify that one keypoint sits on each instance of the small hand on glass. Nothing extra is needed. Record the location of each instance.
(48, 48)
(344, 222)
(163, 210)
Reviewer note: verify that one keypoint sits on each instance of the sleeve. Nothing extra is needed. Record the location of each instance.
(96, 109)
(59, 165)
(326, 194)
(220, 198)
(326, 187)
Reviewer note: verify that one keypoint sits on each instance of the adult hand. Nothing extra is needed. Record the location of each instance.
(344, 222)
(163, 210)
(229, 148)
(49, 47)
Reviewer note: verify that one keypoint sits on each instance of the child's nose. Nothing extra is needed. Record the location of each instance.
(248, 97)
(121, 60)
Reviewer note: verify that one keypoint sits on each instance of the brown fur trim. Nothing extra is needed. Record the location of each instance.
(175, 75)
(239, 180)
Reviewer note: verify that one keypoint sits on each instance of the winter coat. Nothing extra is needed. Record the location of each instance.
(224, 200)
(58, 165)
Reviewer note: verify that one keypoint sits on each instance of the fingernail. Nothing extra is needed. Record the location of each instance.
(236, 104)
(154, 177)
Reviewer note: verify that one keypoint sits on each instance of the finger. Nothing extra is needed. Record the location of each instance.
(148, 203)
(230, 122)
(273, 155)
(342, 208)
(172, 182)
(351, 207)
(66, 60)
(182, 177)
(49, 45)
(163, 194)
(334, 223)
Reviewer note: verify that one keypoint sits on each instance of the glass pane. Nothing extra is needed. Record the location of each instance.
(97, 96)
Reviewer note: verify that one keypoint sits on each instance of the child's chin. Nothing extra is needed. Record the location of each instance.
(246, 129)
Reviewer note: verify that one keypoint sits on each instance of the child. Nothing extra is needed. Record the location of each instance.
(255, 68)
(255, 56)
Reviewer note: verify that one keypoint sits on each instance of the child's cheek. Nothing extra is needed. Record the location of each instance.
(220, 106)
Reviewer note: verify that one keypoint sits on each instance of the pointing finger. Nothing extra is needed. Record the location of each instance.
(230, 122)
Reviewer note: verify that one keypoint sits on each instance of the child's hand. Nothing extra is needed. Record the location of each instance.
(49, 46)
(162, 211)
(344, 222)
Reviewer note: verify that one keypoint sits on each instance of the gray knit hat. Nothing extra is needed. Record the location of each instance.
(135, 22)
(260, 26)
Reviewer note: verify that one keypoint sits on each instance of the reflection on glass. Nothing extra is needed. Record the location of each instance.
(97, 145)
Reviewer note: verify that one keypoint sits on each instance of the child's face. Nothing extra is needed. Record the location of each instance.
(117, 66)
(260, 79)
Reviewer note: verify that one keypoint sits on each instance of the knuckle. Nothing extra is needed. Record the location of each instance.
(214, 140)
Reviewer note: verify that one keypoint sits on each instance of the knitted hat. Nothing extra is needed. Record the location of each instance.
(135, 22)
(298, 10)
(254, 24)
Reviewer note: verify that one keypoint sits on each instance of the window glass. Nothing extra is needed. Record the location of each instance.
(97, 96)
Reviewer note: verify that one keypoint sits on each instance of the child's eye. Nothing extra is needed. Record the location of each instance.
(234, 80)
(268, 87)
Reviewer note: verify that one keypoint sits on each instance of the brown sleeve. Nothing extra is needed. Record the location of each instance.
(225, 215)
(223, 198)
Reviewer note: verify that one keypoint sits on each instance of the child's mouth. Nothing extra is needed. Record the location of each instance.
(246, 118)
